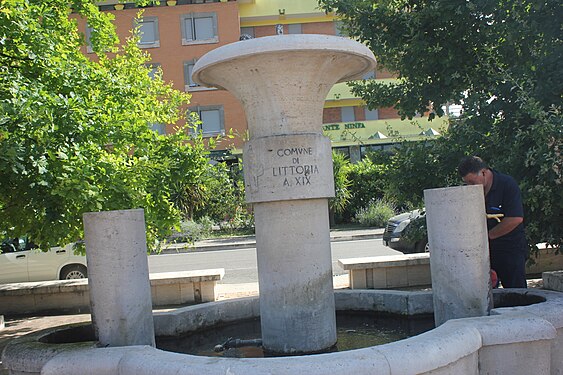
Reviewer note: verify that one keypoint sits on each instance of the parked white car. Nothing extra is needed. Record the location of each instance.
(21, 262)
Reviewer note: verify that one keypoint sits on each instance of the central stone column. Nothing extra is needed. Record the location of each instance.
(282, 82)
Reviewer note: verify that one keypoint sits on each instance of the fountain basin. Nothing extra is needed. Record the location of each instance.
(240, 339)
(517, 340)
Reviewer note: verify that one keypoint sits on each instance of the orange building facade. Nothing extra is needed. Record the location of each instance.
(177, 33)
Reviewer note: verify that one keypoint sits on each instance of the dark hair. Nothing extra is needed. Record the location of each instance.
(470, 164)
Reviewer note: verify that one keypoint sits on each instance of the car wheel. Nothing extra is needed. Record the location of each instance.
(76, 271)
(422, 246)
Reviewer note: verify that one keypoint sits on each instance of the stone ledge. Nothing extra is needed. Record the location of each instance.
(413, 270)
(391, 271)
(193, 276)
(384, 261)
(167, 288)
(43, 287)
(553, 280)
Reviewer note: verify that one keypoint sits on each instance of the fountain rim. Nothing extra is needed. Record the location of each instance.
(285, 43)
(468, 333)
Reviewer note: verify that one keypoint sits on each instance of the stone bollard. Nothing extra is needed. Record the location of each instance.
(118, 277)
(459, 252)
(282, 82)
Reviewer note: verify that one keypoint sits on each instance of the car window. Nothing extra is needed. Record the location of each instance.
(27, 244)
(10, 245)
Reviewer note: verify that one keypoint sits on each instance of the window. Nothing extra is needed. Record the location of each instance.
(148, 31)
(247, 31)
(199, 28)
(154, 69)
(342, 150)
(294, 28)
(372, 114)
(339, 29)
(159, 128)
(348, 114)
(369, 75)
(88, 35)
(212, 120)
(188, 81)
(382, 150)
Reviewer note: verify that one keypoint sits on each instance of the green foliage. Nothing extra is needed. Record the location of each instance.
(74, 134)
(366, 185)
(502, 61)
(376, 214)
(242, 220)
(223, 199)
(417, 166)
(217, 194)
(341, 183)
(416, 230)
(191, 231)
(415, 39)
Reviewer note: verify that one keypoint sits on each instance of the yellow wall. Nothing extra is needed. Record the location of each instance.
(366, 132)
(341, 93)
(261, 8)
(267, 12)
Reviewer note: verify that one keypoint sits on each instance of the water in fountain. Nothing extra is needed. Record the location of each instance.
(354, 330)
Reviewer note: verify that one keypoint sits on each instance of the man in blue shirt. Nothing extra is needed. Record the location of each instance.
(507, 240)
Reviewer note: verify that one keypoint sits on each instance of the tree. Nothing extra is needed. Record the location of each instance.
(74, 131)
(502, 61)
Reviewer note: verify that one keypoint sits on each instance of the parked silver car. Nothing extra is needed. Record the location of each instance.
(20, 261)
(395, 235)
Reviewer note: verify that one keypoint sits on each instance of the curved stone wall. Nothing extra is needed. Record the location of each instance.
(515, 340)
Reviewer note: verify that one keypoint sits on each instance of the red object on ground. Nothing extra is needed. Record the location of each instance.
(494, 279)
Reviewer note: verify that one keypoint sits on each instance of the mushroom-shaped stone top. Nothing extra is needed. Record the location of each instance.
(361, 60)
(282, 81)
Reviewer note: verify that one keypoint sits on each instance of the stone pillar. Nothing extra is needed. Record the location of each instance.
(118, 277)
(282, 82)
(459, 252)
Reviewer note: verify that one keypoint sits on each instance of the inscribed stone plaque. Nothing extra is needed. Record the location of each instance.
(287, 167)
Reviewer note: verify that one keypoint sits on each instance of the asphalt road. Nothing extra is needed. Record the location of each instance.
(240, 264)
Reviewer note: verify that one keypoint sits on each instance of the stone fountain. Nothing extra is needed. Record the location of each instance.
(282, 82)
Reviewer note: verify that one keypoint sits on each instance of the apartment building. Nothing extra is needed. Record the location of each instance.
(177, 33)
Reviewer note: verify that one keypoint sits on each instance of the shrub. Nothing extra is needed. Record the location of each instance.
(340, 167)
(416, 230)
(191, 231)
(366, 184)
(224, 193)
(376, 214)
(242, 220)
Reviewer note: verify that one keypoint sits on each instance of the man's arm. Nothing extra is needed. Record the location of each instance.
(507, 225)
